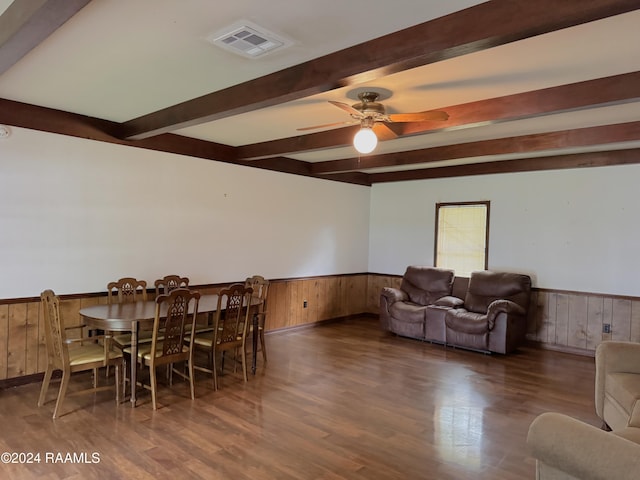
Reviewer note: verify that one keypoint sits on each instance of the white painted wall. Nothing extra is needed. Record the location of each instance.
(76, 214)
(569, 229)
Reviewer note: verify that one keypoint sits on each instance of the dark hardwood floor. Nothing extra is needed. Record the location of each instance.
(336, 401)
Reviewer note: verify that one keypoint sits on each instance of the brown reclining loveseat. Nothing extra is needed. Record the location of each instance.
(490, 315)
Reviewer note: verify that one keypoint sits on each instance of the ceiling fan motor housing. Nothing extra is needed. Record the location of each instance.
(369, 107)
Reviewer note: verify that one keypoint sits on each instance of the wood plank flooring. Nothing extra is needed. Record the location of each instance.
(341, 400)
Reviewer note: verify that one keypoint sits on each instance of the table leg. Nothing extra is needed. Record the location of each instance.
(254, 339)
(134, 361)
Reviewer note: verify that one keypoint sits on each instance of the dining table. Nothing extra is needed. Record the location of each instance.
(132, 317)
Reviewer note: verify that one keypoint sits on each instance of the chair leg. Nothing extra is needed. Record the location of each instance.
(214, 369)
(154, 386)
(119, 374)
(64, 383)
(45, 385)
(235, 359)
(244, 365)
(263, 347)
(191, 375)
(124, 379)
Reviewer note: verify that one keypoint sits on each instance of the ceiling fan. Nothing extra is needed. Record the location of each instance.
(372, 117)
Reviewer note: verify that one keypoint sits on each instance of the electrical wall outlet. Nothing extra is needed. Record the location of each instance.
(606, 328)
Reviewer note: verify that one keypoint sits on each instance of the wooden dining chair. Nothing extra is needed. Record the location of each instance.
(172, 317)
(170, 282)
(260, 288)
(229, 330)
(126, 290)
(72, 355)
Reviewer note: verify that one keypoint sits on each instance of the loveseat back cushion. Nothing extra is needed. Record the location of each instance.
(486, 286)
(425, 285)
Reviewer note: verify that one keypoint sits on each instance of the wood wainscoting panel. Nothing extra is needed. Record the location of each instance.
(635, 321)
(326, 298)
(621, 319)
(356, 294)
(35, 342)
(375, 284)
(559, 320)
(4, 340)
(575, 321)
(562, 319)
(595, 319)
(277, 306)
(16, 361)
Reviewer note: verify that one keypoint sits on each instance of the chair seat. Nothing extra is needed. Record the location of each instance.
(92, 353)
(144, 351)
(124, 340)
(205, 339)
(201, 329)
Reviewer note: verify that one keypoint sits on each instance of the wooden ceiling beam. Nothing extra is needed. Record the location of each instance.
(617, 89)
(298, 167)
(474, 29)
(26, 23)
(580, 137)
(50, 120)
(557, 162)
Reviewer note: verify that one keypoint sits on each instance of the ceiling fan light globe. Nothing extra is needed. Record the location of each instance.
(365, 140)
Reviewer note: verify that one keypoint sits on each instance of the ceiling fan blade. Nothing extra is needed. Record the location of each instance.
(383, 132)
(324, 126)
(347, 108)
(433, 115)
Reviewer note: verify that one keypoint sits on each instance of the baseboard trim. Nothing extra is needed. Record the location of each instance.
(26, 379)
(561, 348)
(319, 323)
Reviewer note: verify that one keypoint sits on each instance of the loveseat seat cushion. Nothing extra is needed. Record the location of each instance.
(408, 312)
(625, 389)
(425, 285)
(467, 322)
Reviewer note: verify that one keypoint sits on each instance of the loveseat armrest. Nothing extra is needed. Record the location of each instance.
(563, 444)
(393, 295)
(503, 306)
(449, 301)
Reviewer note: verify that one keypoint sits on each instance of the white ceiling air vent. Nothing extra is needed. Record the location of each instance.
(248, 40)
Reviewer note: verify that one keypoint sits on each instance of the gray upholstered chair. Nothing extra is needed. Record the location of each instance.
(617, 389)
(566, 448)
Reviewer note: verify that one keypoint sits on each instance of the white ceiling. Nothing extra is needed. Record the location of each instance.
(117, 60)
